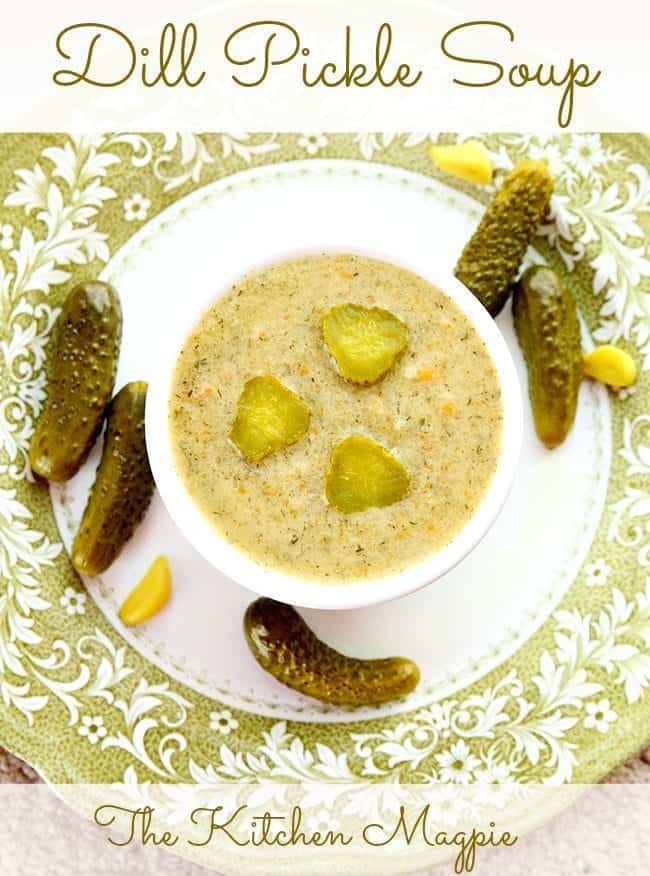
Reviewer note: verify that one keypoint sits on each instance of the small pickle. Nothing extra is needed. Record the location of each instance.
(491, 259)
(362, 474)
(149, 596)
(364, 341)
(470, 161)
(548, 330)
(284, 646)
(610, 365)
(269, 418)
(123, 485)
(86, 348)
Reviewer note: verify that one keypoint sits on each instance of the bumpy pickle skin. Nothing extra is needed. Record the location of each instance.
(362, 474)
(269, 418)
(285, 647)
(84, 362)
(548, 330)
(365, 342)
(492, 257)
(123, 485)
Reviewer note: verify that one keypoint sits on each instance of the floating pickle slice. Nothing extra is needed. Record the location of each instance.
(363, 474)
(269, 417)
(284, 646)
(364, 341)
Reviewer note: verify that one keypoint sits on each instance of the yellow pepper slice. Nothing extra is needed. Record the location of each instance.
(610, 365)
(470, 161)
(149, 596)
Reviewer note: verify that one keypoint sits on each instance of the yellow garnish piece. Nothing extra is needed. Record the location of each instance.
(149, 596)
(470, 161)
(363, 474)
(610, 365)
(269, 417)
(364, 341)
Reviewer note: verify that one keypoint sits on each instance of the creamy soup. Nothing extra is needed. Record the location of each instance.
(438, 411)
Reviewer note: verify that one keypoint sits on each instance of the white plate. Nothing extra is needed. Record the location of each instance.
(497, 596)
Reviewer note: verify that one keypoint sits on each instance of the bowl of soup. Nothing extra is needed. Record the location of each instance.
(448, 411)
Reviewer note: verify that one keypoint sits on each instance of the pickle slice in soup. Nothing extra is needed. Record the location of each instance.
(269, 417)
(364, 341)
(363, 474)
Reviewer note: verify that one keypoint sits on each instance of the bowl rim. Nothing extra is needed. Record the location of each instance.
(316, 594)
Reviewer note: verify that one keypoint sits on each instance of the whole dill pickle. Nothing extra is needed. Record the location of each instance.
(284, 646)
(548, 329)
(493, 255)
(123, 485)
(81, 383)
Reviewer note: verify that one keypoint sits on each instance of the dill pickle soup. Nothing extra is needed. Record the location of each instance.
(438, 411)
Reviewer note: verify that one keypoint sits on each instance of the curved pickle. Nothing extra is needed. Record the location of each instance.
(548, 330)
(80, 387)
(492, 257)
(123, 485)
(363, 474)
(284, 646)
(269, 417)
(364, 341)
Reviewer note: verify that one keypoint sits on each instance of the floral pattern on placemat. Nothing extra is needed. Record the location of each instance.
(82, 705)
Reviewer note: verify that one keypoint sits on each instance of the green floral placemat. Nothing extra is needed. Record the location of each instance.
(81, 705)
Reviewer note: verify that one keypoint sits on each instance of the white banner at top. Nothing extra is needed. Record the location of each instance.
(273, 65)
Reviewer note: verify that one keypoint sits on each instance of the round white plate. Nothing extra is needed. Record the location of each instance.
(456, 629)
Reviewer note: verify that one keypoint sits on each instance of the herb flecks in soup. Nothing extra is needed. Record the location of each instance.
(362, 475)
(269, 418)
(437, 412)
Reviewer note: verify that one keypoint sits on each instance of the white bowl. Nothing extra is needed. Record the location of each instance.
(331, 595)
